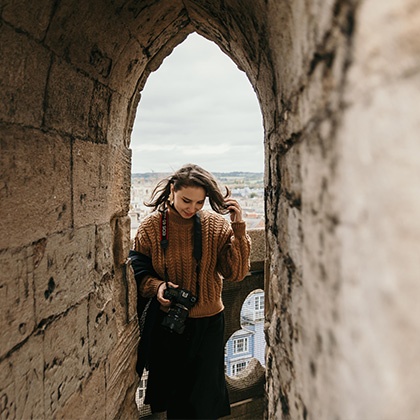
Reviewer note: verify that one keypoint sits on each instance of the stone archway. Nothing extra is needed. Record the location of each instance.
(70, 81)
(90, 64)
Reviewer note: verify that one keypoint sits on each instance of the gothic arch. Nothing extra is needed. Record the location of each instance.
(328, 79)
(78, 69)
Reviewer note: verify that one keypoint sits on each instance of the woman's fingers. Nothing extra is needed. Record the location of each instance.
(159, 295)
(235, 210)
(161, 291)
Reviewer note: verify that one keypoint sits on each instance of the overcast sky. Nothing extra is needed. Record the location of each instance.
(198, 107)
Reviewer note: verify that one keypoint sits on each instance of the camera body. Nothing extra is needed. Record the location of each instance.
(182, 301)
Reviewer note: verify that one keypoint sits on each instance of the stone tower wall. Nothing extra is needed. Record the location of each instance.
(343, 238)
(338, 85)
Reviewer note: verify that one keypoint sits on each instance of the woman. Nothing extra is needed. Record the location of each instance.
(190, 250)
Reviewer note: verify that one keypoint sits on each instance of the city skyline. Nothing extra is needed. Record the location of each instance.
(247, 188)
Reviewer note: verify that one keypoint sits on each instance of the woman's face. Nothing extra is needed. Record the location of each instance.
(189, 200)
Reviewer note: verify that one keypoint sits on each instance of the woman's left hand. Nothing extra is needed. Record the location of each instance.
(235, 210)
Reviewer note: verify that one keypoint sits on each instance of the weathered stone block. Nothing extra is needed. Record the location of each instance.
(99, 114)
(23, 75)
(66, 272)
(103, 187)
(65, 111)
(65, 357)
(121, 375)
(33, 18)
(91, 186)
(124, 300)
(89, 401)
(17, 318)
(119, 130)
(28, 364)
(120, 169)
(91, 46)
(103, 250)
(21, 382)
(167, 21)
(7, 400)
(128, 69)
(131, 293)
(34, 159)
(103, 331)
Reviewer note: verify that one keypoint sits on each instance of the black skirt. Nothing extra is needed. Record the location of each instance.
(186, 371)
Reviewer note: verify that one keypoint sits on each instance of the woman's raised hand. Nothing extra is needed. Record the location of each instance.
(235, 210)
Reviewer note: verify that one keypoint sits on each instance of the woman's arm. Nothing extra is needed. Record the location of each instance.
(234, 257)
(148, 281)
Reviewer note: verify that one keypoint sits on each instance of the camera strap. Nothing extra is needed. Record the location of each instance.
(164, 240)
(197, 243)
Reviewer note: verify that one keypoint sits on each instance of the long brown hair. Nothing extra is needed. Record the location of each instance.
(189, 175)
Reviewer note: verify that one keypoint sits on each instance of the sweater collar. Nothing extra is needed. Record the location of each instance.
(175, 217)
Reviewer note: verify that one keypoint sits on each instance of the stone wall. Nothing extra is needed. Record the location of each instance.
(343, 237)
(68, 331)
(338, 85)
(378, 201)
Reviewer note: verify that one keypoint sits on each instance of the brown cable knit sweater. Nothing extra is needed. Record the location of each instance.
(226, 251)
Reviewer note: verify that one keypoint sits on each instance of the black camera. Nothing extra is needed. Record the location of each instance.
(181, 302)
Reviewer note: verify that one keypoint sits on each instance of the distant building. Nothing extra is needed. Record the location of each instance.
(244, 345)
(248, 342)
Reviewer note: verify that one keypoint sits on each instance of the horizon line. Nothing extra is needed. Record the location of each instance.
(214, 172)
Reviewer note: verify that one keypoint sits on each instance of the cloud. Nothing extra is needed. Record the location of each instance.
(198, 107)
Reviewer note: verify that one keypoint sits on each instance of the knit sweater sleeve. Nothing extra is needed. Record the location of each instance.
(234, 254)
(144, 242)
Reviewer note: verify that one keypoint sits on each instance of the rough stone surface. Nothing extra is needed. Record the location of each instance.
(64, 273)
(35, 185)
(338, 85)
(65, 357)
(23, 79)
(17, 297)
